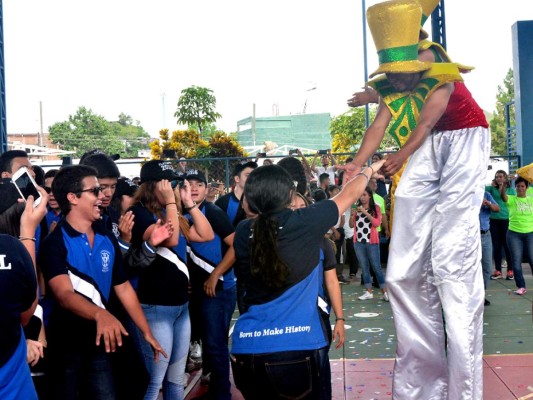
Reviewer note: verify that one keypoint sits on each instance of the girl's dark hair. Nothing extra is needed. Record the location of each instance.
(10, 220)
(145, 195)
(520, 179)
(501, 171)
(268, 191)
(371, 202)
(296, 171)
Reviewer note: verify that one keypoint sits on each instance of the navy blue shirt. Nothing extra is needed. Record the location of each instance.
(231, 205)
(93, 271)
(161, 283)
(205, 256)
(18, 288)
(300, 235)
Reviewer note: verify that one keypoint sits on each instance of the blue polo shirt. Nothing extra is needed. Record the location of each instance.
(205, 256)
(93, 271)
(18, 288)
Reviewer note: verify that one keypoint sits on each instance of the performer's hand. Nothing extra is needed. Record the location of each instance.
(368, 95)
(350, 170)
(393, 163)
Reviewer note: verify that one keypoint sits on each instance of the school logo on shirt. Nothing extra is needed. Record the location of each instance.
(106, 256)
(3, 263)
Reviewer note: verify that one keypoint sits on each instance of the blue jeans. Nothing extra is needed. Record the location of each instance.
(518, 242)
(368, 256)
(171, 327)
(486, 257)
(216, 319)
(282, 375)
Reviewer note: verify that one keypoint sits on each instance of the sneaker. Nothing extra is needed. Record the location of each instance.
(366, 296)
(385, 296)
(521, 291)
(487, 303)
(205, 379)
(195, 350)
(193, 364)
(496, 275)
(352, 275)
(343, 280)
(510, 276)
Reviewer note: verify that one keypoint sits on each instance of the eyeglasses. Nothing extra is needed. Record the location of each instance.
(95, 190)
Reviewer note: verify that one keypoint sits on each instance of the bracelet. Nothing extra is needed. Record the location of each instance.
(363, 173)
(191, 207)
(340, 319)
(170, 204)
(21, 238)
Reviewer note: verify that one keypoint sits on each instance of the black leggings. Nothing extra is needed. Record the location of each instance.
(498, 233)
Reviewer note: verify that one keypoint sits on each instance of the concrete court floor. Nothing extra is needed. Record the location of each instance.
(362, 368)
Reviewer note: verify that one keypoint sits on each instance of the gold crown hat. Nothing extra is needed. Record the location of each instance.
(428, 6)
(395, 27)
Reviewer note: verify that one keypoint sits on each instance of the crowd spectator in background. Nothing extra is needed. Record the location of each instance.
(325, 160)
(520, 232)
(487, 206)
(54, 212)
(213, 288)
(499, 223)
(381, 180)
(366, 218)
(231, 202)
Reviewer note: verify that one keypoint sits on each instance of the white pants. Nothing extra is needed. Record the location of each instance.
(434, 268)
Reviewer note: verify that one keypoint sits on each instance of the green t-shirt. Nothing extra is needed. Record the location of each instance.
(503, 213)
(380, 201)
(520, 214)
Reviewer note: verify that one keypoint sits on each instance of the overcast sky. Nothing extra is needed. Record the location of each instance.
(136, 56)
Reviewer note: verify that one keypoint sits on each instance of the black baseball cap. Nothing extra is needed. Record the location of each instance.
(242, 166)
(195, 174)
(156, 170)
(125, 187)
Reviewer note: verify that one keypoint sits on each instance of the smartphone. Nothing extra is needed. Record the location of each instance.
(293, 151)
(322, 152)
(261, 154)
(214, 185)
(26, 185)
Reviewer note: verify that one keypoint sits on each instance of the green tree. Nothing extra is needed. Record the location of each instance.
(86, 130)
(196, 108)
(497, 123)
(347, 131)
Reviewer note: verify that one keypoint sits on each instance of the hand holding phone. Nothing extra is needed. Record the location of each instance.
(26, 185)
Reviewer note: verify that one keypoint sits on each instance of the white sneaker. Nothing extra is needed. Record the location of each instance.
(385, 296)
(196, 350)
(366, 296)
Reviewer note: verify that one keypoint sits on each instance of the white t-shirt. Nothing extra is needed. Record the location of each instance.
(330, 171)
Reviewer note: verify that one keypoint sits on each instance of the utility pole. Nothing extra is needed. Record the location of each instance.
(3, 122)
(41, 132)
